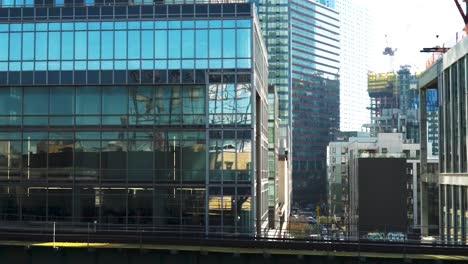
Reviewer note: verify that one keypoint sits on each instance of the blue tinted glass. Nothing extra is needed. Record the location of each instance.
(80, 65)
(94, 45)
(160, 44)
(4, 44)
(134, 64)
(41, 46)
(53, 65)
(120, 44)
(201, 64)
(107, 65)
(67, 65)
(88, 100)
(120, 25)
(147, 65)
(3, 66)
(187, 24)
(67, 26)
(174, 44)
(134, 25)
(80, 26)
(107, 25)
(215, 64)
(215, 23)
(243, 23)
(80, 45)
(114, 100)
(33, 95)
(40, 66)
(134, 44)
(28, 46)
(67, 45)
(93, 65)
(19, 2)
(8, 2)
(15, 66)
(229, 23)
(54, 26)
(160, 64)
(62, 101)
(10, 101)
(41, 26)
(201, 24)
(54, 45)
(243, 43)
(107, 44)
(202, 44)
(15, 47)
(89, 2)
(15, 27)
(229, 43)
(188, 44)
(59, 2)
(28, 27)
(147, 44)
(160, 24)
(174, 64)
(94, 25)
(120, 65)
(174, 24)
(187, 64)
(147, 25)
(3, 27)
(27, 66)
(229, 64)
(243, 63)
(215, 43)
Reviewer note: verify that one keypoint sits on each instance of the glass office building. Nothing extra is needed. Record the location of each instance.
(315, 95)
(125, 114)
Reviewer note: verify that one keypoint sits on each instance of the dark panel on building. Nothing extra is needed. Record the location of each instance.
(382, 194)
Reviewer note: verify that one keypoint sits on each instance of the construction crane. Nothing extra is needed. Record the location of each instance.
(462, 13)
(388, 50)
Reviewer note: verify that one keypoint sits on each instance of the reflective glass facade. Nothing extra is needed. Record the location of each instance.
(315, 95)
(141, 120)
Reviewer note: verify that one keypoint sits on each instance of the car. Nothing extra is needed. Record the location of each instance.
(311, 220)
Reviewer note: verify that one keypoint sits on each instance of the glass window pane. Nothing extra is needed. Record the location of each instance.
(88, 100)
(229, 40)
(10, 100)
(28, 46)
(67, 45)
(188, 44)
(202, 44)
(120, 44)
(174, 44)
(114, 100)
(4, 43)
(107, 44)
(147, 44)
(61, 101)
(41, 46)
(94, 45)
(215, 43)
(15, 49)
(134, 44)
(243, 43)
(33, 95)
(160, 41)
(80, 45)
(54, 46)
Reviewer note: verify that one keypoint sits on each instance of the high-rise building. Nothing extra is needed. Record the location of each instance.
(354, 51)
(449, 76)
(129, 114)
(315, 95)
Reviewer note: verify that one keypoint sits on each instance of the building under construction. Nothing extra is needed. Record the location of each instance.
(394, 103)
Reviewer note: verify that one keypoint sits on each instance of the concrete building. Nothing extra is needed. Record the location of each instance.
(129, 114)
(344, 175)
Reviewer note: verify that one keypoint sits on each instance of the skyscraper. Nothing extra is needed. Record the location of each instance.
(129, 114)
(315, 95)
(354, 44)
